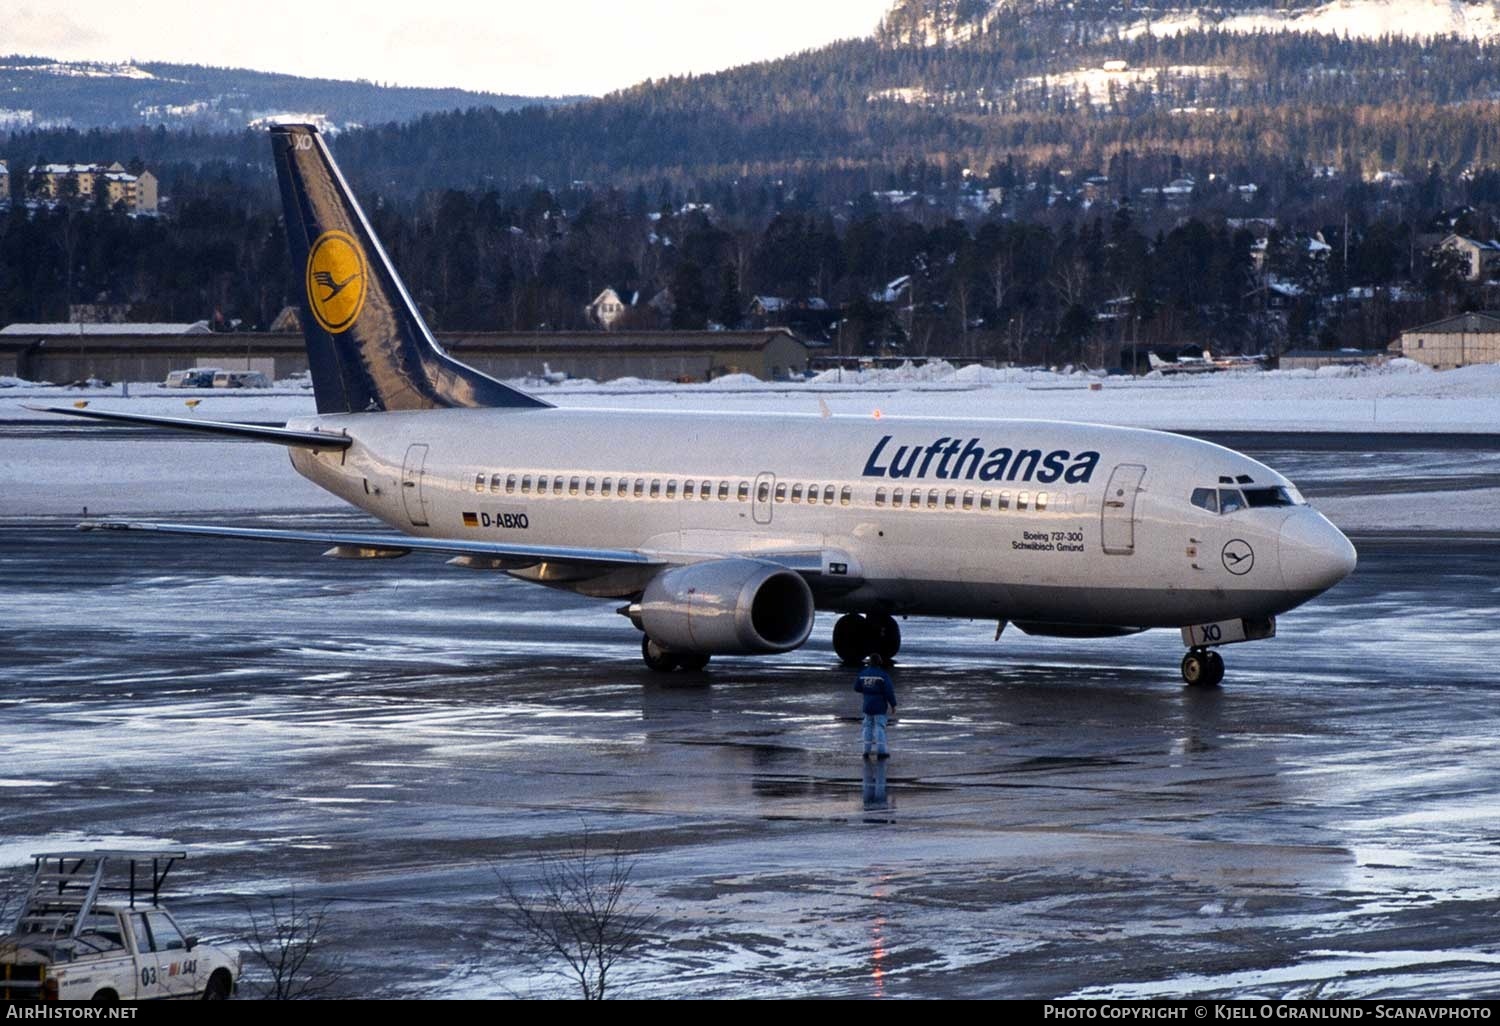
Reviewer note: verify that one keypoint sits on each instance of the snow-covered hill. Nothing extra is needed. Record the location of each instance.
(944, 22)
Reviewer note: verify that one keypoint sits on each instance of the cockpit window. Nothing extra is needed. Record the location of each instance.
(1230, 500)
(1206, 498)
(1275, 496)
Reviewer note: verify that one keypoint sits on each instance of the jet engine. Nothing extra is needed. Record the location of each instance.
(726, 606)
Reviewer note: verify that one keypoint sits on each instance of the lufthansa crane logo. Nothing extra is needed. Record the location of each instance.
(1238, 557)
(336, 274)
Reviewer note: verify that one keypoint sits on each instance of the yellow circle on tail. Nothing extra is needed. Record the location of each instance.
(336, 273)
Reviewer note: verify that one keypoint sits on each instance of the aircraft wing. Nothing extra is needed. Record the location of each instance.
(376, 545)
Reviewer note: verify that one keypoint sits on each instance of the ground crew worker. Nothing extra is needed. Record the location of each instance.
(880, 700)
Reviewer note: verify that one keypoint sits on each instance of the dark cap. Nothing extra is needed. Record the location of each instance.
(874, 660)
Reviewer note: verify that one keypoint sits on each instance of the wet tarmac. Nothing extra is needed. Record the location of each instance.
(1060, 817)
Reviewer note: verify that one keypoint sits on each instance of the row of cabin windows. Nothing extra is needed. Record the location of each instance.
(934, 498)
(609, 487)
(811, 494)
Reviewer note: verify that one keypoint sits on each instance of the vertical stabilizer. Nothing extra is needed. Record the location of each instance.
(367, 346)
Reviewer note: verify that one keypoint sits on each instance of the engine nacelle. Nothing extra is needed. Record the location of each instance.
(727, 607)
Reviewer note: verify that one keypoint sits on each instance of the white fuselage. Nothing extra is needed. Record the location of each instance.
(1049, 522)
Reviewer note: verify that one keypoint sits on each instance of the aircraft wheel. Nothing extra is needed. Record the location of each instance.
(693, 662)
(1198, 668)
(851, 639)
(1215, 669)
(885, 636)
(657, 658)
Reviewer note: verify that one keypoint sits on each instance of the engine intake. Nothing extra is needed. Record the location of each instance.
(728, 607)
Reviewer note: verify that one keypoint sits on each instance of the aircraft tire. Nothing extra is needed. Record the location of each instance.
(852, 639)
(1215, 668)
(885, 635)
(694, 662)
(657, 658)
(1195, 668)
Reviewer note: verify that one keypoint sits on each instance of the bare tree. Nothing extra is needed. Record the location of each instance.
(580, 915)
(288, 941)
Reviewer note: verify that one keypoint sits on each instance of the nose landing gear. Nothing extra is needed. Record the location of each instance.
(856, 637)
(1202, 668)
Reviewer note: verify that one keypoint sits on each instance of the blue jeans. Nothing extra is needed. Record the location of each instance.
(874, 734)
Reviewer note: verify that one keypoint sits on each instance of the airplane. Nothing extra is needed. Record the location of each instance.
(727, 533)
(1184, 364)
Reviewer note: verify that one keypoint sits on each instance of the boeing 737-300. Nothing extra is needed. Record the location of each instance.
(726, 533)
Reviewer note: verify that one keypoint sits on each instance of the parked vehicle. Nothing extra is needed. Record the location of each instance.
(193, 377)
(70, 943)
(241, 379)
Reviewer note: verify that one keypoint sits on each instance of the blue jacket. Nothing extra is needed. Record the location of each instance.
(880, 693)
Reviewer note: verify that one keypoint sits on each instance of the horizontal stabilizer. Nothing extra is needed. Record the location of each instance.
(250, 432)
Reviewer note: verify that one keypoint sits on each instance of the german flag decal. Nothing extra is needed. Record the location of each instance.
(471, 519)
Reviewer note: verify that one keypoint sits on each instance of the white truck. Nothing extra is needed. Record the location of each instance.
(91, 928)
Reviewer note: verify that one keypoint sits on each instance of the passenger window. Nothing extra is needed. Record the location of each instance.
(797, 494)
(479, 482)
(812, 493)
(932, 498)
(142, 935)
(846, 495)
(1023, 499)
(781, 492)
(985, 499)
(526, 485)
(607, 486)
(724, 491)
(896, 498)
(510, 484)
(705, 490)
(880, 496)
(557, 486)
(588, 486)
(624, 487)
(1041, 500)
(687, 489)
(573, 486)
(672, 488)
(1230, 500)
(1206, 498)
(968, 500)
(762, 493)
(495, 483)
(656, 488)
(828, 495)
(164, 933)
(950, 501)
(1004, 502)
(640, 487)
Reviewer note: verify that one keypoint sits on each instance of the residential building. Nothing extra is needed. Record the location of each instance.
(1480, 256)
(87, 182)
(609, 306)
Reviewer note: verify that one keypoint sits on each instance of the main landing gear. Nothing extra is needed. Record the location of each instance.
(662, 661)
(1202, 668)
(856, 637)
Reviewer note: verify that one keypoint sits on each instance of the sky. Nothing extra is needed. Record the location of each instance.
(531, 47)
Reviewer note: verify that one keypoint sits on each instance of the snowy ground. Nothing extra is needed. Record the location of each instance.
(1402, 396)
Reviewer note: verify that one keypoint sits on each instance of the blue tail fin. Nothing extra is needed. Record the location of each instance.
(367, 346)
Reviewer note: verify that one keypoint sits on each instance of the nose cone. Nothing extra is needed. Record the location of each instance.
(1315, 555)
